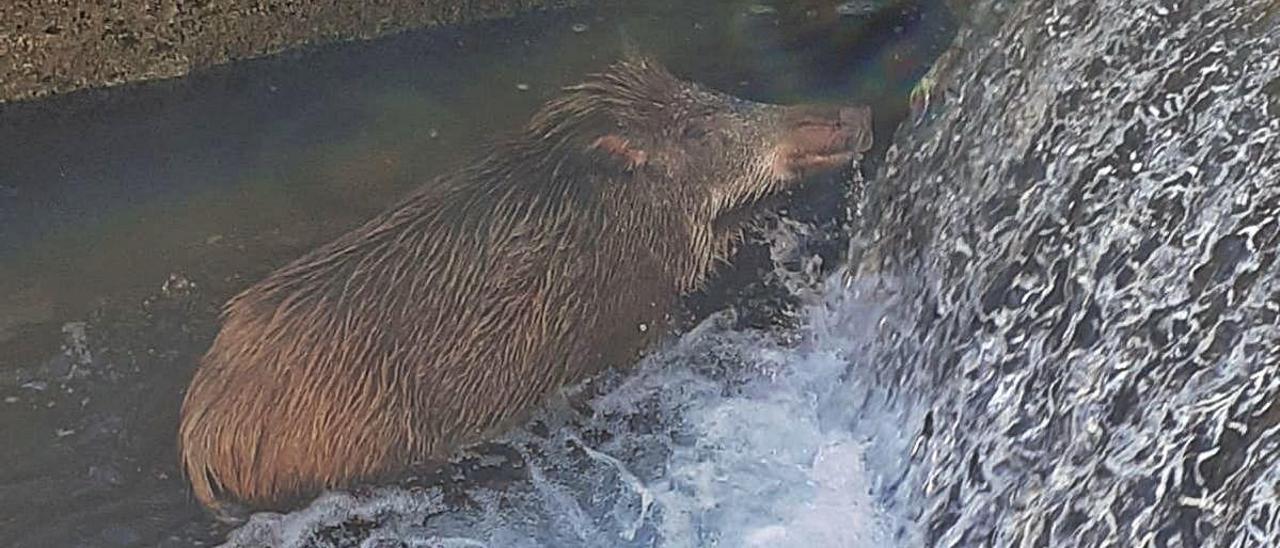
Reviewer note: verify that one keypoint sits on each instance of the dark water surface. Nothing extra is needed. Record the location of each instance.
(128, 216)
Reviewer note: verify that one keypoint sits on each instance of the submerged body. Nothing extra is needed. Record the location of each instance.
(463, 306)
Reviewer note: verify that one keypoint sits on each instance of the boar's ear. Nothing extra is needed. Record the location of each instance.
(619, 151)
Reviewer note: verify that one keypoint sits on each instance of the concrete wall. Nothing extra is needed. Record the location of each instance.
(56, 46)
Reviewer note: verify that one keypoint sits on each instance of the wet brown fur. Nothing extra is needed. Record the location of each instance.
(475, 297)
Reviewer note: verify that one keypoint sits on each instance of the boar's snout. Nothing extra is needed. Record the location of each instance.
(821, 139)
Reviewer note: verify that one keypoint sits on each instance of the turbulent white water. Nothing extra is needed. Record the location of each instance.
(725, 438)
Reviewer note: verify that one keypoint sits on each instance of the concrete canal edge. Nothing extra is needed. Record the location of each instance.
(49, 48)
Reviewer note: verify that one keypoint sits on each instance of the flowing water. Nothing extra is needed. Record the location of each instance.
(128, 216)
(1089, 293)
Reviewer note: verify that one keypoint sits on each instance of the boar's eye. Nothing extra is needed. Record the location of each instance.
(696, 132)
(699, 129)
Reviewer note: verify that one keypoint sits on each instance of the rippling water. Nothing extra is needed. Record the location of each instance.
(1087, 235)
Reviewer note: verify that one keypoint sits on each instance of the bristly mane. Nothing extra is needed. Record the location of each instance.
(544, 166)
(539, 175)
(635, 87)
